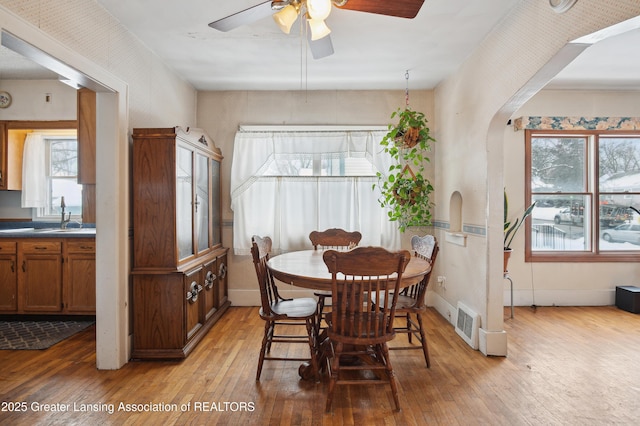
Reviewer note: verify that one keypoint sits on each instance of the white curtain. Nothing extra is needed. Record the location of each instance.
(268, 198)
(34, 180)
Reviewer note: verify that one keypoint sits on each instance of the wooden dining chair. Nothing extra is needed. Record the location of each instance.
(333, 238)
(411, 299)
(358, 328)
(277, 311)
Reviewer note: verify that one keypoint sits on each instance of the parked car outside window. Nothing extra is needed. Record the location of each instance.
(566, 215)
(627, 232)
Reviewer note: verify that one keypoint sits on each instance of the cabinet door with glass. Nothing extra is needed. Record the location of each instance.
(193, 203)
(202, 204)
(216, 202)
(184, 201)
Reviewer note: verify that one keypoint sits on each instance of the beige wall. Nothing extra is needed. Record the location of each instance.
(564, 283)
(220, 114)
(472, 108)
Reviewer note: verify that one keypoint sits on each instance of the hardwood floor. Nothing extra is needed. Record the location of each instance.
(566, 365)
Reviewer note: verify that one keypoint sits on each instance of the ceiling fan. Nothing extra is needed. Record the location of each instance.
(286, 12)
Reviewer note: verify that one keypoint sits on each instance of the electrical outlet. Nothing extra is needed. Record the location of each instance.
(441, 279)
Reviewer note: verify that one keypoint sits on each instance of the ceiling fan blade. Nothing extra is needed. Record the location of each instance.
(320, 48)
(400, 8)
(246, 16)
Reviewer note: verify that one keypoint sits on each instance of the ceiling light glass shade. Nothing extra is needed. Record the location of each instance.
(319, 9)
(285, 18)
(318, 29)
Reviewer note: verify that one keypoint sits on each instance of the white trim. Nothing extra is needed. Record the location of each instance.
(546, 297)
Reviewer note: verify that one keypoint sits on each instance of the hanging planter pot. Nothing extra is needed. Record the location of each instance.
(406, 192)
(405, 188)
(411, 137)
(410, 130)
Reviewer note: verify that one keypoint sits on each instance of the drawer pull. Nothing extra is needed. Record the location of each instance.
(222, 271)
(24, 266)
(209, 279)
(40, 248)
(192, 295)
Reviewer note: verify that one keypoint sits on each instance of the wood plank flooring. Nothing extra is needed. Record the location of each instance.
(566, 366)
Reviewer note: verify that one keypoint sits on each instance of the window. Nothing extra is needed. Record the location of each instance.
(583, 183)
(60, 174)
(285, 184)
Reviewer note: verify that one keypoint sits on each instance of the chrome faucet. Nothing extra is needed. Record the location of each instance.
(64, 222)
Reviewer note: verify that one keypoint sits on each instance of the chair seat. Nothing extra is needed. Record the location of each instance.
(296, 308)
(404, 303)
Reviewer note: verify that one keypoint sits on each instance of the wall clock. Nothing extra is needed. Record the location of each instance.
(561, 6)
(5, 99)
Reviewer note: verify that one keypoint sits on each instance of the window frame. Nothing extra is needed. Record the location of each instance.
(39, 213)
(256, 149)
(592, 189)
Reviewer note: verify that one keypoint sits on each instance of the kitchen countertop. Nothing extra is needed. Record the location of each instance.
(48, 233)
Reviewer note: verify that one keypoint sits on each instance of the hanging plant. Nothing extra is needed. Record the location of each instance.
(406, 192)
(410, 130)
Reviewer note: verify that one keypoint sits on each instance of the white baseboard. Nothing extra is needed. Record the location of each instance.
(493, 343)
(527, 297)
(443, 307)
(490, 343)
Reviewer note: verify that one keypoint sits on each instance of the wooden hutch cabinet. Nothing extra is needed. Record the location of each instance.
(179, 265)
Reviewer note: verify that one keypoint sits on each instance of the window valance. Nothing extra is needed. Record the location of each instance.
(576, 123)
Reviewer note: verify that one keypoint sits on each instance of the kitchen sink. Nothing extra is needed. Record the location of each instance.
(68, 230)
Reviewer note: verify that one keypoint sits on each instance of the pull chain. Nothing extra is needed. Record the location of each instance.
(406, 96)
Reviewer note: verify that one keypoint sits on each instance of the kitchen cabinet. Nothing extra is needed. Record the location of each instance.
(80, 277)
(8, 277)
(12, 148)
(87, 152)
(46, 275)
(178, 293)
(86, 136)
(12, 138)
(40, 276)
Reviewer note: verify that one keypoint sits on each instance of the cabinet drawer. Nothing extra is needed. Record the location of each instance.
(81, 246)
(7, 247)
(41, 247)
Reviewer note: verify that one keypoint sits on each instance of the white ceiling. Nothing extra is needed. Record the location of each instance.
(371, 51)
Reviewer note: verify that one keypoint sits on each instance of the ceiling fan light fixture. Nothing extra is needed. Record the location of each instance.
(285, 18)
(319, 9)
(319, 29)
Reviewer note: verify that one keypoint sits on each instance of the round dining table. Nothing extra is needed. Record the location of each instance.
(307, 269)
